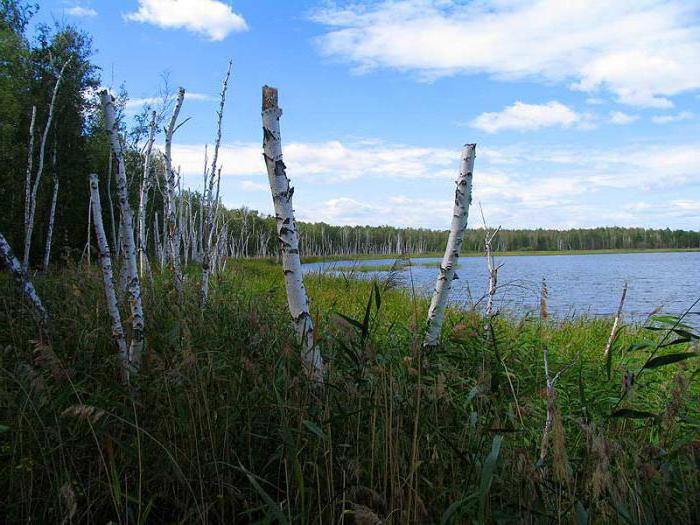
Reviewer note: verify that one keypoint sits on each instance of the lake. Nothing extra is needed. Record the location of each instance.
(578, 285)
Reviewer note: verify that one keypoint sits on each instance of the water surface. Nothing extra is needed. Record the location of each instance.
(578, 285)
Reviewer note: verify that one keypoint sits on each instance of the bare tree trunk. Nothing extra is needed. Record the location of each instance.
(136, 348)
(143, 194)
(112, 222)
(24, 283)
(616, 323)
(29, 225)
(108, 279)
(208, 196)
(173, 240)
(282, 193)
(52, 215)
(463, 198)
(493, 269)
(28, 176)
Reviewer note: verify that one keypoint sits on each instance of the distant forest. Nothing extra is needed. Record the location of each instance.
(75, 145)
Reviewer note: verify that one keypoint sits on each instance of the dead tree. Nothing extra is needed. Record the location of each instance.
(208, 226)
(144, 188)
(173, 232)
(489, 236)
(28, 290)
(137, 337)
(616, 323)
(282, 193)
(52, 214)
(105, 261)
(29, 223)
(460, 215)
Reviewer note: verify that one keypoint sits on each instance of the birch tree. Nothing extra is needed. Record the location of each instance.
(52, 214)
(616, 323)
(30, 167)
(282, 193)
(136, 347)
(29, 222)
(460, 215)
(105, 261)
(173, 240)
(144, 188)
(28, 290)
(208, 226)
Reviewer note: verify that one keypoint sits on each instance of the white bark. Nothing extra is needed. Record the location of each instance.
(127, 221)
(24, 283)
(30, 167)
(282, 193)
(29, 225)
(106, 264)
(208, 197)
(143, 193)
(173, 240)
(616, 323)
(52, 215)
(460, 215)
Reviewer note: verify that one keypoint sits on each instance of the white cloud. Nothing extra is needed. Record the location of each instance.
(667, 119)
(80, 11)
(620, 118)
(249, 185)
(642, 52)
(212, 18)
(521, 116)
(135, 104)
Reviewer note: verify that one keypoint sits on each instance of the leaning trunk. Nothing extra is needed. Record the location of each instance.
(463, 198)
(52, 215)
(127, 222)
(106, 264)
(173, 240)
(282, 193)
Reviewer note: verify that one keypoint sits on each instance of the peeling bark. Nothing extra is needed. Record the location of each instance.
(29, 225)
(24, 283)
(105, 261)
(282, 193)
(173, 240)
(136, 348)
(208, 196)
(463, 198)
(52, 215)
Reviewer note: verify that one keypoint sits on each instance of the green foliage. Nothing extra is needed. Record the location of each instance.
(224, 426)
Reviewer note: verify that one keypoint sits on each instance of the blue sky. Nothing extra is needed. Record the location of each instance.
(586, 113)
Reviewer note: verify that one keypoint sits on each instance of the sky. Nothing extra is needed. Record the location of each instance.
(585, 113)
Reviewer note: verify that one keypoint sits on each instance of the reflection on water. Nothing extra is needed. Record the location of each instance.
(578, 285)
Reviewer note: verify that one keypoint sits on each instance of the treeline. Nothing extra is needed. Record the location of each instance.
(49, 79)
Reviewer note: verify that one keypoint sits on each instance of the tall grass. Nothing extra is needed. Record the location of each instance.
(223, 426)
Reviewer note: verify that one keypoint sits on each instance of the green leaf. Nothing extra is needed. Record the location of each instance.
(633, 414)
(356, 324)
(581, 514)
(377, 297)
(270, 503)
(4, 428)
(488, 470)
(639, 346)
(450, 515)
(670, 358)
(365, 321)
(314, 429)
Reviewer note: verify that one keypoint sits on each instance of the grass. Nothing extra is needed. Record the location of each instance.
(224, 426)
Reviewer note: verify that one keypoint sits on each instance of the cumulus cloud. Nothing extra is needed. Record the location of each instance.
(80, 11)
(135, 104)
(620, 118)
(521, 116)
(667, 119)
(641, 52)
(213, 19)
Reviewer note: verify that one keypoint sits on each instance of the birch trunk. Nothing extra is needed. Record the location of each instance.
(282, 193)
(52, 215)
(616, 323)
(24, 283)
(105, 261)
(29, 225)
(463, 198)
(143, 193)
(208, 196)
(30, 167)
(173, 241)
(127, 221)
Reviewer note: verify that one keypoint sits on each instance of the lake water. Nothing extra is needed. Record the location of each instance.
(578, 285)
